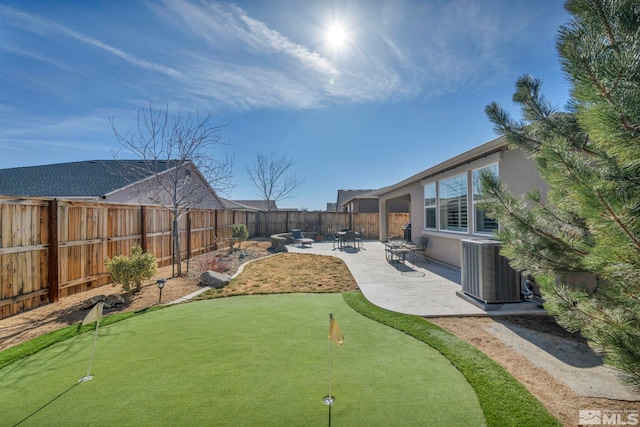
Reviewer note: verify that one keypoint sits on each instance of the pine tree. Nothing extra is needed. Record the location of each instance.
(588, 223)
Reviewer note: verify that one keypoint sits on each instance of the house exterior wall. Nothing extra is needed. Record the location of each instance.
(365, 205)
(514, 169)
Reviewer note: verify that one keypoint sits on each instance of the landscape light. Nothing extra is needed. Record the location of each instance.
(161, 283)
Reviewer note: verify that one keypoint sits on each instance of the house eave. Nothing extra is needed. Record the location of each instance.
(486, 149)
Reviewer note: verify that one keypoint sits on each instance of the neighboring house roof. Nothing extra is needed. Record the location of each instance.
(235, 205)
(93, 178)
(260, 205)
(478, 152)
(120, 181)
(345, 196)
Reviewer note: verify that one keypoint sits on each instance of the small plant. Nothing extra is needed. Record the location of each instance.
(217, 264)
(240, 232)
(131, 271)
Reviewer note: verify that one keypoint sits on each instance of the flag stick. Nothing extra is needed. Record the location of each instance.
(330, 355)
(329, 399)
(89, 377)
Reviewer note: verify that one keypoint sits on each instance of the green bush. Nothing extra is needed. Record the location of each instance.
(239, 231)
(131, 271)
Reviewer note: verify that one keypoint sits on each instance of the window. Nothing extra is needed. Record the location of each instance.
(452, 198)
(483, 224)
(430, 206)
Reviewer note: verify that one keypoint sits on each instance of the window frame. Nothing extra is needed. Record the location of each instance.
(445, 186)
(475, 191)
(433, 206)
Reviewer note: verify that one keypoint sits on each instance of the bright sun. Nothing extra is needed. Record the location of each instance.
(336, 36)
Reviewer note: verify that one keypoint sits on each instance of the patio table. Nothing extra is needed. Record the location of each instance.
(398, 251)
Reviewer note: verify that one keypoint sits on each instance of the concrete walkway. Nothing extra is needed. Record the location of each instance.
(431, 290)
(422, 288)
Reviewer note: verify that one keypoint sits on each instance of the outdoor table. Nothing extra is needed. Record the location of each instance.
(398, 251)
(342, 238)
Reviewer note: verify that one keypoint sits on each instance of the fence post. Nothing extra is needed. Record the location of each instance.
(53, 274)
(188, 238)
(143, 228)
(215, 228)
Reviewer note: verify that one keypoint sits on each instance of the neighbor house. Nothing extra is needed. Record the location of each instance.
(117, 181)
(366, 201)
(258, 205)
(444, 198)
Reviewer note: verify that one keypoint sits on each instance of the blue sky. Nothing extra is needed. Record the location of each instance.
(405, 90)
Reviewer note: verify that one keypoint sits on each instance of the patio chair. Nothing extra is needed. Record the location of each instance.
(349, 236)
(299, 237)
(360, 238)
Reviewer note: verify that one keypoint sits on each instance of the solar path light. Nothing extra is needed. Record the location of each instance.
(161, 283)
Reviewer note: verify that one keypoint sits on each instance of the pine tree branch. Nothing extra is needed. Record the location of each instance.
(562, 221)
(571, 304)
(554, 263)
(617, 219)
(495, 192)
(607, 27)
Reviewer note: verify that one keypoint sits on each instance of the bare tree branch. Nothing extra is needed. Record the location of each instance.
(176, 167)
(271, 174)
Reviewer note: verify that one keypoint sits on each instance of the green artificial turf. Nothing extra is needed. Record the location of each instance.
(242, 361)
(505, 402)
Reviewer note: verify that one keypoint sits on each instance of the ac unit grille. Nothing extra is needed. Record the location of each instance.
(487, 275)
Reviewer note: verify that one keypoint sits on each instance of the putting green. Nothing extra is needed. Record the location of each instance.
(241, 361)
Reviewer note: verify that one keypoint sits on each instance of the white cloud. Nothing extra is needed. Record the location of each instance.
(421, 50)
(221, 55)
(45, 27)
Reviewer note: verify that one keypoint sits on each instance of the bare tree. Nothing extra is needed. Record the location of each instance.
(176, 167)
(271, 173)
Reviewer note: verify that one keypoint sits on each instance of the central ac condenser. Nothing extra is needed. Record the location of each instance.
(487, 275)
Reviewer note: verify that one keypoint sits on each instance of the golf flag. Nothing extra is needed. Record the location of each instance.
(335, 334)
(94, 315)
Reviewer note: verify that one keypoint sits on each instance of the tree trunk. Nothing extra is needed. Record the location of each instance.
(176, 246)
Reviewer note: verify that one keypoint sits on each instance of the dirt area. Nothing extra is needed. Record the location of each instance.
(24, 326)
(561, 401)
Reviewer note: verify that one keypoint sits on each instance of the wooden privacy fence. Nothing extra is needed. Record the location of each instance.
(323, 223)
(51, 248)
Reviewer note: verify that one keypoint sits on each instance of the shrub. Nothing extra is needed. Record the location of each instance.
(239, 231)
(131, 271)
(217, 264)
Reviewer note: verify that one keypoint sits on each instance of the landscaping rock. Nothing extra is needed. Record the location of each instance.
(87, 304)
(110, 301)
(215, 279)
(280, 248)
(113, 300)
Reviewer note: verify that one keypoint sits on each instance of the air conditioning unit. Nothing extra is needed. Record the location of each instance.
(487, 275)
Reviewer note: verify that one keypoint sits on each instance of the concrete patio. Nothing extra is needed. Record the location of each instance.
(421, 288)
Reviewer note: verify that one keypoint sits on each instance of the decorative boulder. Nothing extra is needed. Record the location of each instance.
(87, 304)
(113, 301)
(215, 279)
(110, 301)
(280, 248)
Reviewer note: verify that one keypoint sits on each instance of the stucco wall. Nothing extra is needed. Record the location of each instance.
(519, 172)
(515, 169)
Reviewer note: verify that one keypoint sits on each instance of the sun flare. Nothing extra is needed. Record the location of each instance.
(336, 36)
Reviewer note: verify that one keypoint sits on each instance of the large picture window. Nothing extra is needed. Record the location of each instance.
(430, 206)
(483, 224)
(452, 198)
